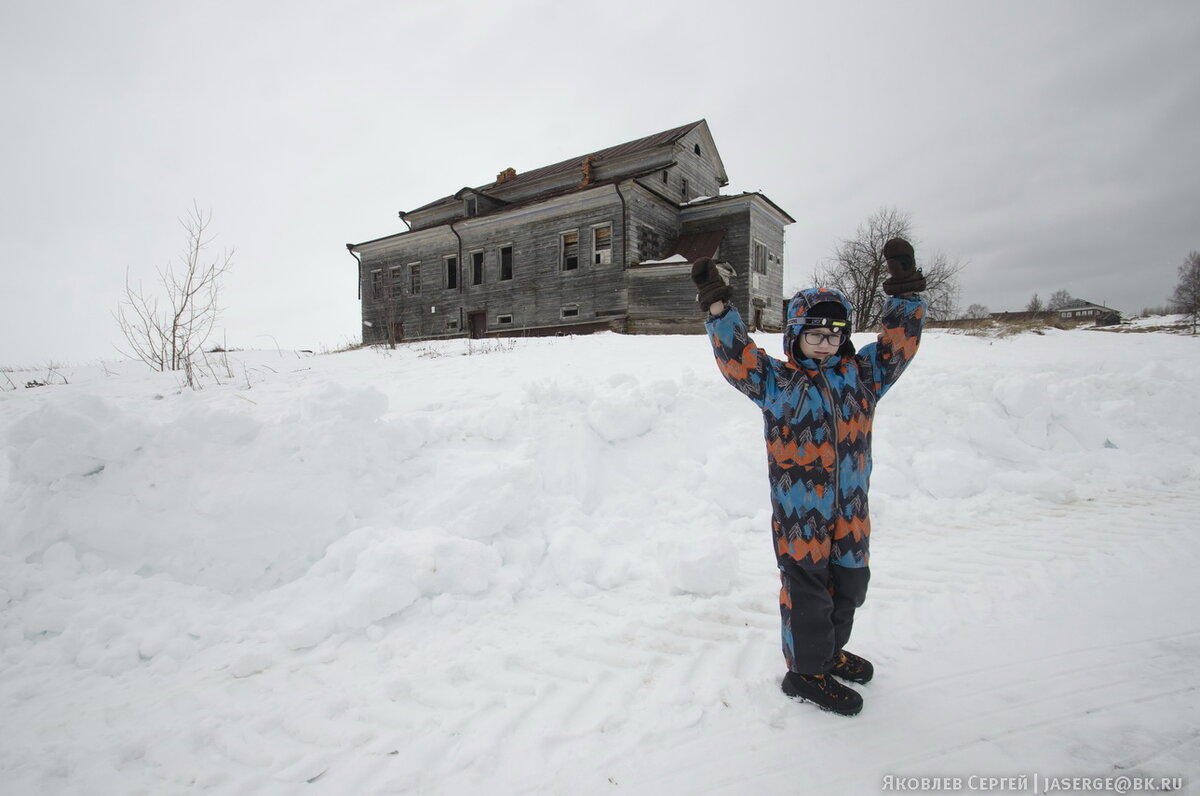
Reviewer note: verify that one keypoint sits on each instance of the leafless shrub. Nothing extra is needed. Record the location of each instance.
(168, 329)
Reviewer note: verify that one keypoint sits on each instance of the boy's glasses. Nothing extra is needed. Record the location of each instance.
(816, 338)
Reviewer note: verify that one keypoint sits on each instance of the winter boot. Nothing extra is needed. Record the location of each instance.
(823, 691)
(849, 666)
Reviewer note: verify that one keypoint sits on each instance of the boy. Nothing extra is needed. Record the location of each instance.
(817, 407)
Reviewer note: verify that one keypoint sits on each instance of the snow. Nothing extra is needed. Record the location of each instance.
(672, 260)
(544, 566)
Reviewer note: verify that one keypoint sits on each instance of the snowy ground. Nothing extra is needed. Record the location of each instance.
(544, 567)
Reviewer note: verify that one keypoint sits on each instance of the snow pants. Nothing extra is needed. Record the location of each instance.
(817, 607)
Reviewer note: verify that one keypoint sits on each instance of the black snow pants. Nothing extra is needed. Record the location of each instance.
(817, 608)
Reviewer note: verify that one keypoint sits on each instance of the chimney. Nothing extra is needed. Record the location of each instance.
(506, 175)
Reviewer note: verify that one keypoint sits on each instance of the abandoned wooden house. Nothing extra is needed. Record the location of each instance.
(603, 241)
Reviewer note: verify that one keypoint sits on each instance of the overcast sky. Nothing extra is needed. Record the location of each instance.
(1047, 145)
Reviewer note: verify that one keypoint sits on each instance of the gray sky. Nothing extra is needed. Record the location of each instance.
(1046, 144)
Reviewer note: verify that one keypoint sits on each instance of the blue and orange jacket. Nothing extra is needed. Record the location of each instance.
(817, 421)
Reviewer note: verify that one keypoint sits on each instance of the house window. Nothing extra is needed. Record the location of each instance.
(696, 149)
(394, 277)
(414, 279)
(602, 245)
(451, 326)
(570, 311)
(686, 193)
(476, 268)
(472, 205)
(649, 244)
(570, 251)
(503, 319)
(376, 283)
(506, 263)
(760, 258)
(451, 273)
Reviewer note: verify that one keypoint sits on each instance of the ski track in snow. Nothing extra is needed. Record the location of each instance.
(539, 573)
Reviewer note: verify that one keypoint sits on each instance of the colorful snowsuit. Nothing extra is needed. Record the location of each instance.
(817, 420)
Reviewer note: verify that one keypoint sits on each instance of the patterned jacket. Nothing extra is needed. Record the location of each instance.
(817, 420)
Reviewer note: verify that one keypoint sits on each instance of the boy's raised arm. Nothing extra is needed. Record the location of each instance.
(743, 364)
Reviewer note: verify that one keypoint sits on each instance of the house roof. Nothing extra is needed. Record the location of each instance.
(573, 165)
(1075, 304)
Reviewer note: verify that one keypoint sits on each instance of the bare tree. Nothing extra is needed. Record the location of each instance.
(858, 270)
(941, 291)
(1035, 304)
(1059, 299)
(1186, 298)
(168, 328)
(975, 311)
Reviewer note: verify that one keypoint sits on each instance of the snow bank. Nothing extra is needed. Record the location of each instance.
(463, 531)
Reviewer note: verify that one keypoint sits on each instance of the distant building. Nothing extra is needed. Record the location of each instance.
(1079, 310)
(603, 241)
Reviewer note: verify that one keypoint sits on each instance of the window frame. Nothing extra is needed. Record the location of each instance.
(448, 272)
(562, 251)
(414, 279)
(482, 267)
(508, 247)
(758, 253)
(607, 250)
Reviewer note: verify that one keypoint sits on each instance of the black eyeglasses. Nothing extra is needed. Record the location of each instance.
(816, 338)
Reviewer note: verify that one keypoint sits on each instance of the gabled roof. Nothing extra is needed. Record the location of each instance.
(574, 165)
(1077, 304)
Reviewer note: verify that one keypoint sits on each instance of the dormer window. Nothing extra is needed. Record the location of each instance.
(472, 205)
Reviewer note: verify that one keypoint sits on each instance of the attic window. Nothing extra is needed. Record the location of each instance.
(664, 176)
(696, 149)
(472, 205)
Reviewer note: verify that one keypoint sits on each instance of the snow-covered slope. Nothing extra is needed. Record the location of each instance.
(544, 566)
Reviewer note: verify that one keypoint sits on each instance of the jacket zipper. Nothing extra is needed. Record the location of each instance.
(836, 456)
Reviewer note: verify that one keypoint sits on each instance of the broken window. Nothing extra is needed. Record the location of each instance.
(760, 258)
(414, 277)
(602, 245)
(649, 244)
(570, 251)
(397, 282)
(376, 283)
(476, 268)
(451, 273)
(506, 263)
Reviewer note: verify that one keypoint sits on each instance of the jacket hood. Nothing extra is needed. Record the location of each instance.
(797, 312)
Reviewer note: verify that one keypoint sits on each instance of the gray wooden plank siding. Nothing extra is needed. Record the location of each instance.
(642, 205)
(539, 289)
